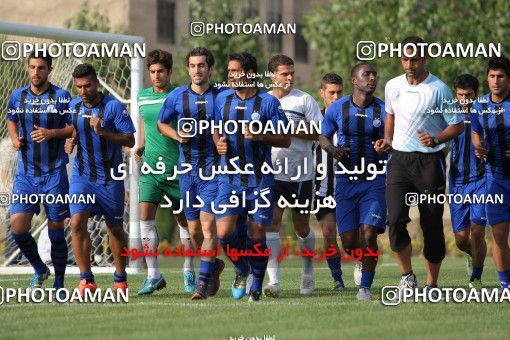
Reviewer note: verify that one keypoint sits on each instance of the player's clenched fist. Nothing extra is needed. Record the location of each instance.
(222, 146)
(69, 146)
(17, 143)
(95, 123)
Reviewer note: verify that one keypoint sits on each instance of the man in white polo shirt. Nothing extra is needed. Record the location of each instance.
(419, 122)
(293, 184)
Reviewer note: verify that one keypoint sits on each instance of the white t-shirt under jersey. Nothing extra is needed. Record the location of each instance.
(298, 106)
(427, 106)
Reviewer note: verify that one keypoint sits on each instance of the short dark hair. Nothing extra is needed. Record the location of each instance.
(84, 70)
(160, 57)
(201, 51)
(466, 81)
(331, 78)
(414, 40)
(357, 66)
(497, 63)
(246, 60)
(277, 60)
(41, 55)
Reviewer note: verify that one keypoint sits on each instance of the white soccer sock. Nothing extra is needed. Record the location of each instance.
(309, 243)
(186, 241)
(150, 238)
(273, 266)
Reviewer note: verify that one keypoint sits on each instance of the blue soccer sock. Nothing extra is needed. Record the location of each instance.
(87, 276)
(258, 263)
(504, 279)
(122, 277)
(476, 274)
(206, 269)
(367, 278)
(233, 240)
(335, 266)
(58, 255)
(28, 247)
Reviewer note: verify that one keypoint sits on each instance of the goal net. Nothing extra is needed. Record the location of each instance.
(120, 77)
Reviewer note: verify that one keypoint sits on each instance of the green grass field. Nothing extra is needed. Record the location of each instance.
(171, 314)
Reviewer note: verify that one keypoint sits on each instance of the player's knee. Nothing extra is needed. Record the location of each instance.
(329, 232)
(478, 234)
(55, 225)
(20, 223)
(116, 229)
(181, 220)
(500, 239)
(462, 241)
(434, 254)
(398, 242)
(209, 231)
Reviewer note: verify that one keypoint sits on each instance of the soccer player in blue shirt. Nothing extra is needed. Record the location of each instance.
(195, 103)
(467, 178)
(360, 198)
(38, 124)
(490, 126)
(246, 103)
(102, 125)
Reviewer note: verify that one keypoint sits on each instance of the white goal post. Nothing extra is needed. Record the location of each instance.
(120, 77)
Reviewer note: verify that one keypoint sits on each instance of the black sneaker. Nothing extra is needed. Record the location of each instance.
(200, 292)
(214, 281)
(255, 295)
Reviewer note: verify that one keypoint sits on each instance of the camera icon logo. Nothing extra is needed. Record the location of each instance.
(411, 199)
(197, 28)
(11, 50)
(187, 127)
(390, 296)
(365, 50)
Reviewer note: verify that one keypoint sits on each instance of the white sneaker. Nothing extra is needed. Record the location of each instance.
(357, 273)
(307, 284)
(408, 282)
(272, 291)
(364, 294)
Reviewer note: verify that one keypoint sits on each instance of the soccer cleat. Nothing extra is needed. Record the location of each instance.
(469, 264)
(239, 286)
(122, 286)
(151, 285)
(38, 279)
(255, 296)
(476, 284)
(200, 292)
(273, 291)
(189, 281)
(364, 294)
(338, 286)
(86, 286)
(357, 273)
(307, 286)
(214, 281)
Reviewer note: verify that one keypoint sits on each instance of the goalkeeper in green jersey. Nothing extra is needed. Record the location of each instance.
(156, 148)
